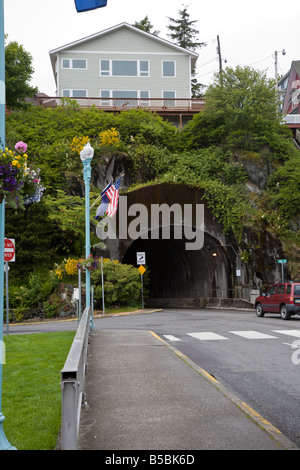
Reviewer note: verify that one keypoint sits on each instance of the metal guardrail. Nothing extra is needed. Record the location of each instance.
(72, 383)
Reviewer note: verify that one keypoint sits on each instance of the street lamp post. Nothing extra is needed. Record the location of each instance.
(86, 156)
(4, 444)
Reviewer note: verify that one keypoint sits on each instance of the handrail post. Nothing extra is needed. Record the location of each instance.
(72, 383)
(69, 431)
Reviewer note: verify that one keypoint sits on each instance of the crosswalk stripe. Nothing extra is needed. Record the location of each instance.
(206, 335)
(248, 334)
(295, 333)
(172, 338)
(251, 334)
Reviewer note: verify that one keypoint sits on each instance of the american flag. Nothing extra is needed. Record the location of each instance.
(113, 195)
(104, 202)
(86, 5)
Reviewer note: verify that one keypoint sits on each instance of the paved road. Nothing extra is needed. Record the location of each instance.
(252, 357)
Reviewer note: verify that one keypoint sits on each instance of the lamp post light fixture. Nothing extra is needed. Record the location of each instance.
(276, 66)
(86, 156)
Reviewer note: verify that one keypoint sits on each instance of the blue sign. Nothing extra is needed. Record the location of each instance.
(86, 5)
(282, 261)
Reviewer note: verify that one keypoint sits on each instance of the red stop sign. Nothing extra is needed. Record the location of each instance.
(9, 249)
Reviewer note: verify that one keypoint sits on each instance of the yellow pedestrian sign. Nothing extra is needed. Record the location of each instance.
(141, 270)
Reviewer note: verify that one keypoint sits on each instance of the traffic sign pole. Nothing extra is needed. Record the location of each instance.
(282, 262)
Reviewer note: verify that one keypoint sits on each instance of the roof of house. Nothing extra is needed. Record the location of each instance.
(54, 52)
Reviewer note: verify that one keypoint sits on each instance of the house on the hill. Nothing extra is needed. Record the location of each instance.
(124, 66)
(291, 101)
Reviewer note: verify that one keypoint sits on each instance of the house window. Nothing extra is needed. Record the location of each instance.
(74, 64)
(169, 98)
(66, 63)
(168, 68)
(105, 67)
(144, 68)
(127, 97)
(105, 94)
(74, 93)
(124, 68)
(124, 98)
(79, 64)
(144, 98)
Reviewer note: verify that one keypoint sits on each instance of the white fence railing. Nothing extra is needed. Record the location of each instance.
(72, 383)
(292, 119)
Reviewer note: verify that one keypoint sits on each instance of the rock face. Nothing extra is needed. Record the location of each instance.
(261, 252)
(256, 166)
(110, 167)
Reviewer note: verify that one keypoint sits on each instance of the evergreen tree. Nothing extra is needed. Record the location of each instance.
(183, 33)
(145, 25)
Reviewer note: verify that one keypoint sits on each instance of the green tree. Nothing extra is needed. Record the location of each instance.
(183, 33)
(145, 25)
(241, 113)
(18, 73)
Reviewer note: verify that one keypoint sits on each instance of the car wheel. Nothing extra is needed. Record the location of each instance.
(259, 310)
(285, 315)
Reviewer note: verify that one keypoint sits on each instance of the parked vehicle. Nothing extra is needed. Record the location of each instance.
(283, 298)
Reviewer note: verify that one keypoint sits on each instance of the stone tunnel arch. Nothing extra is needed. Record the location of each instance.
(178, 276)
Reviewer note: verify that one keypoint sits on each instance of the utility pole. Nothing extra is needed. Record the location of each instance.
(220, 59)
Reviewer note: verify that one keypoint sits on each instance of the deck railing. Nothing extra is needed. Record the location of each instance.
(185, 105)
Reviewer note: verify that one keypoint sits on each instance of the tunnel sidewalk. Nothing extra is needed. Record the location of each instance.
(142, 395)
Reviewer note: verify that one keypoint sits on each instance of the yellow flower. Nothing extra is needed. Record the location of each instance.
(71, 266)
(78, 143)
(110, 137)
(14, 162)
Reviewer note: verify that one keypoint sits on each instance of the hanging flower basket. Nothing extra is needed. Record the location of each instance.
(89, 264)
(20, 184)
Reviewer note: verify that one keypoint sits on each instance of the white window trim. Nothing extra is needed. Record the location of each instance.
(110, 100)
(162, 69)
(127, 76)
(71, 91)
(71, 63)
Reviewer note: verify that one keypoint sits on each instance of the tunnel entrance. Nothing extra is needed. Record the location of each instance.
(175, 272)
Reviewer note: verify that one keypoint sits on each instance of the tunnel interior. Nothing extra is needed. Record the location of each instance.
(175, 272)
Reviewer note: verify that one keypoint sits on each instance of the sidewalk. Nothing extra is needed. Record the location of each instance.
(142, 394)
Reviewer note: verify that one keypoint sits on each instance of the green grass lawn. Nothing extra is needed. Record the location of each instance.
(31, 394)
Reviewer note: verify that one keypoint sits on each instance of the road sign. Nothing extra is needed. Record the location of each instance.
(141, 270)
(141, 257)
(9, 249)
(282, 261)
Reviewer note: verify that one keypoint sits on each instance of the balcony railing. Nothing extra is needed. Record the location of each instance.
(292, 119)
(168, 105)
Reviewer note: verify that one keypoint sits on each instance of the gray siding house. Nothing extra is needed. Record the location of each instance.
(123, 65)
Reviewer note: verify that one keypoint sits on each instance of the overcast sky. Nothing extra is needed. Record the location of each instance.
(250, 32)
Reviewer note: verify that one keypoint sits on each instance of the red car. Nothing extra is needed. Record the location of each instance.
(283, 298)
